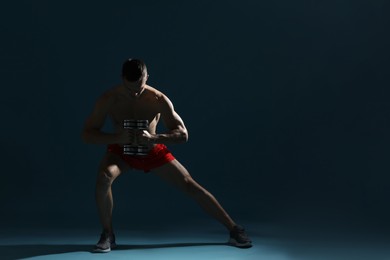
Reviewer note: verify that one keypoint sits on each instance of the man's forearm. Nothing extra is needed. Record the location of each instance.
(173, 137)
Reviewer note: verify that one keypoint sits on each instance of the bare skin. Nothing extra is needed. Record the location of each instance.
(137, 100)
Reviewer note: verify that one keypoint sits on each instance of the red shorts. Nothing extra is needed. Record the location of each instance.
(157, 157)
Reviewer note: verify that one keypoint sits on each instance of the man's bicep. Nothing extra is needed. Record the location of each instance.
(94, 121)
(170, 117)
(98, 116)
(174, 122)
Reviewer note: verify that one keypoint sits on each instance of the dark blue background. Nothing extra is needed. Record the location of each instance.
(286, 103)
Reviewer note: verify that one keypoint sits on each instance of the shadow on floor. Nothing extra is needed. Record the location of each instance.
(11, 252)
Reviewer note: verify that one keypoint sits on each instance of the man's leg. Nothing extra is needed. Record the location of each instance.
(110, 168)
(176, 174)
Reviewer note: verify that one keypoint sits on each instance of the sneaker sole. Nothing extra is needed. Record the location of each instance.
(234, 242)
(98, 250)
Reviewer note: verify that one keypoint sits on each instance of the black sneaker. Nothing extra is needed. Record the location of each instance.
(105, 244)
(239, 238)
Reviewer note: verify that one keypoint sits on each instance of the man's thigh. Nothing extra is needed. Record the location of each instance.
(113, 163)
(175, 173)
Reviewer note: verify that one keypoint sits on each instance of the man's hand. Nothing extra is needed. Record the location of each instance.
(135, 137)
(127, 136)
(144, 137)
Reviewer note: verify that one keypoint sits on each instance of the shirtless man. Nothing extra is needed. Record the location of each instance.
(134, 99)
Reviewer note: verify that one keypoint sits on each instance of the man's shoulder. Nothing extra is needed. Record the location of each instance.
(161, 100)
(155, 93)
(109, 95)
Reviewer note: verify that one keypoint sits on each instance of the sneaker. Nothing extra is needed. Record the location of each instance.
(105, 244)
(239, 238)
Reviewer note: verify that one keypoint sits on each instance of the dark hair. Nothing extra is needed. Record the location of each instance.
(133, 69)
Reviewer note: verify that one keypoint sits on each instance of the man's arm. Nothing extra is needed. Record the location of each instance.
(92, 129)
(177, 132)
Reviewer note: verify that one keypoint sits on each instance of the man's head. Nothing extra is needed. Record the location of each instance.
(134, 75)
(134, 70)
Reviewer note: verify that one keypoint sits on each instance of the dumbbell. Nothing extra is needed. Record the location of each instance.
(133, 124)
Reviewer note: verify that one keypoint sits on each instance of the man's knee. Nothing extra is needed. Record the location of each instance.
(107, 175)
(192, 187)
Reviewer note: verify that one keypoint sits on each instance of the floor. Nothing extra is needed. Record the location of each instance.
(271, 242)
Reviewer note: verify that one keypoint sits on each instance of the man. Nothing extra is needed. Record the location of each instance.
(133, 99)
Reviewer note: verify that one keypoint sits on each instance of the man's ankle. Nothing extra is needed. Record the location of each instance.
(108, 232)
(231, 226)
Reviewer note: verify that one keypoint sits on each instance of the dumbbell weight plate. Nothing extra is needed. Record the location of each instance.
(135, 150)
(135, 124)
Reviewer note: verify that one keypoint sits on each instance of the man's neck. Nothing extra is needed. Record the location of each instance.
(134, 95)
